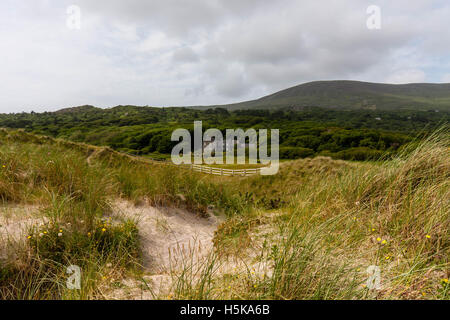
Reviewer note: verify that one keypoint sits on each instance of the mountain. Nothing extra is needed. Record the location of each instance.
(80, 109)
(351, 95)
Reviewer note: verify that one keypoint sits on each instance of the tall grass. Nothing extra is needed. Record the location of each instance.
(341, 218)
(74, 185)
(315, 227)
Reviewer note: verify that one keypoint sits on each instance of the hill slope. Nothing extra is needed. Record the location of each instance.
(309, 232)
(355, 95)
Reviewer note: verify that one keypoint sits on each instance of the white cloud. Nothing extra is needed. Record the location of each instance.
(407, 76)
(446, 78)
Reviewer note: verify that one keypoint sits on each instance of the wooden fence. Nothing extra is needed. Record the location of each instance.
(207, 169)
(224, 171)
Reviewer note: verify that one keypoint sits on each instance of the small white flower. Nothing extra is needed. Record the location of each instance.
(357, 203)
(41, 234)
(60, 234)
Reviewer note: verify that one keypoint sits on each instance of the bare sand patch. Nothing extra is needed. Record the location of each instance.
(15, 220)
(172, 240)
(169, 236)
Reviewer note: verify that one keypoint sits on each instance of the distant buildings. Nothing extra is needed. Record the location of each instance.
(209, 146)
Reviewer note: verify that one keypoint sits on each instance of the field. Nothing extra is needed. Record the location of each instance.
(141, 229)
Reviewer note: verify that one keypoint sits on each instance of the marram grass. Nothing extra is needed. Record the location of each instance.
(314, 229)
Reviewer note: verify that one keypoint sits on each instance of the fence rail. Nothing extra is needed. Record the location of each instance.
(224, 171)
(207, 169)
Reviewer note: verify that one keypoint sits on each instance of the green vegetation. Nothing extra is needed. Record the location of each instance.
(337, 219)
(350, 135)
(355, 95)
(73, 184)
(309, 232)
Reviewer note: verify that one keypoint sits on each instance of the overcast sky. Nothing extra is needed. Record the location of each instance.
(199, 52)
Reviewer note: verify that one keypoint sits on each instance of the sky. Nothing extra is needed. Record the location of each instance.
(203, 52)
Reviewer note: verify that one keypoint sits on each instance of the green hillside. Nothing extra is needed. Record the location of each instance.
(351, 95)
(342, 134)
(342, 119)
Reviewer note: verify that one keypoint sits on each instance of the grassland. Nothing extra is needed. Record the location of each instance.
(354, 95)
(309, 232)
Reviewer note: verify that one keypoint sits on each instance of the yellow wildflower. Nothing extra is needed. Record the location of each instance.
(103, 230)
(378, 239)
(428, 236)
(445, 280)
(383, 242)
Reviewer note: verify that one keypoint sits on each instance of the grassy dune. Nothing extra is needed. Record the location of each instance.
(340, 218)
(309, 232)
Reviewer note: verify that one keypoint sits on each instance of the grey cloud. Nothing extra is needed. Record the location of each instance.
(286, 47)
(185, 54)
(174, 17)
(232, 82)
(172, 52)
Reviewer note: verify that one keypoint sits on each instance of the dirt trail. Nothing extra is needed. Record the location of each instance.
(169, 237)
(172, 239)
(165, 232)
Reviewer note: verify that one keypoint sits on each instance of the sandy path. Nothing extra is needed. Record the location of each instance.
(169, 237)
(168, 232)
